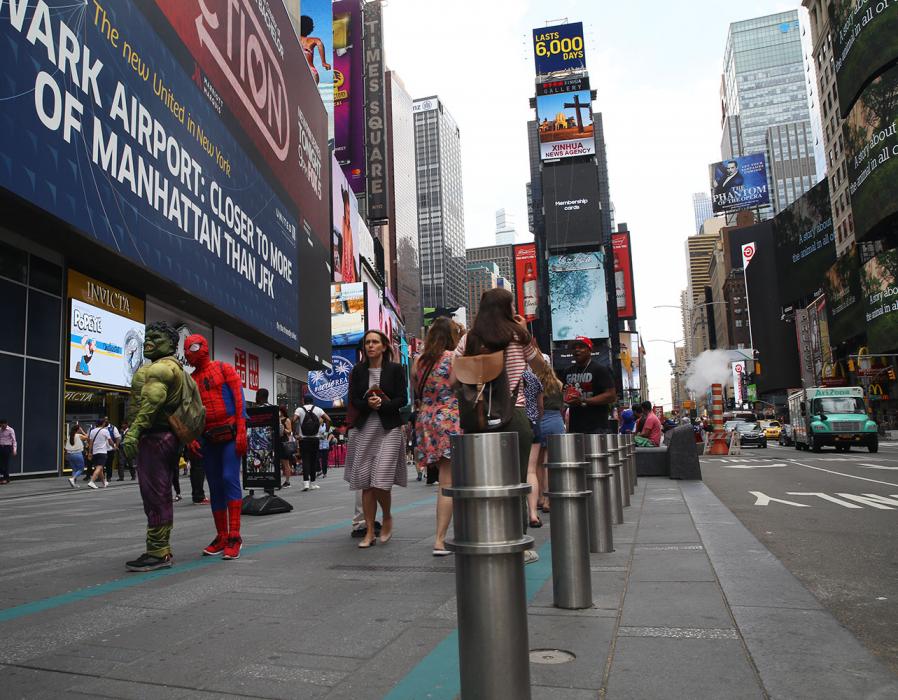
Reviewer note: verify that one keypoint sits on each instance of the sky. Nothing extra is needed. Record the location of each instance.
(657, 68)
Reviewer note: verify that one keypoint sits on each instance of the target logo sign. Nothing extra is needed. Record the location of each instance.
(748, 252)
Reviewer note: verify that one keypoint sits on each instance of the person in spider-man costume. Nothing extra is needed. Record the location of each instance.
(223, 443)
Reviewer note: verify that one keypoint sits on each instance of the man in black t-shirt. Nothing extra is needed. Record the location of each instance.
(588, 390)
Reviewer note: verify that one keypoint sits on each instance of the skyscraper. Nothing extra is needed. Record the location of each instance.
(763, 86)
(441, 220)
(701, 208)
(505, 230)
(405, 264)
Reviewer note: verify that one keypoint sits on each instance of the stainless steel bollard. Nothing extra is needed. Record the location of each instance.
(493, 641)
(617, 502)
(632, 444)
(598, 479)
(624, 477)
(571, 578)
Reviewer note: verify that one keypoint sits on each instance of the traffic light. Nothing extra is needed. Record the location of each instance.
(757, 358)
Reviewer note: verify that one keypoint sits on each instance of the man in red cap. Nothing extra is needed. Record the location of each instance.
(588, 390)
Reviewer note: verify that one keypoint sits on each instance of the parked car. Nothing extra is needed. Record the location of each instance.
(773, 429)
(750, 435)
(785, 437)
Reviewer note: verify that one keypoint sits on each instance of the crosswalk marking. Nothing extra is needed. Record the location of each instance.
(872, 500)
(877, 466)
(825, 497)
(755, 465)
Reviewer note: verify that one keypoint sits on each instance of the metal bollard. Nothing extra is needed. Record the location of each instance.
(617, 502)
(493, 642)
(598, 479)
(633, 453)
(624, 477)
(571, 578)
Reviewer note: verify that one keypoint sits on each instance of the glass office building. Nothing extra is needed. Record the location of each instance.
(763, 86)
(441, 211)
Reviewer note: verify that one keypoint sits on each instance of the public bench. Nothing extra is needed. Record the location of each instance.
(677, 458)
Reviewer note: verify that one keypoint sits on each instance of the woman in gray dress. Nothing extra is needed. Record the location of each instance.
(375, 459)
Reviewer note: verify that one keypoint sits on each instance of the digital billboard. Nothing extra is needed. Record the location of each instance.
(844, 301)
(623, 276)
(349, 92)
(346, 231)
(564, 116)
(558, 48)
(865, 41)
(347, 313)
(805, 244)
(629, 360)
(103, 346)
(571, 204)
(739, 183)
(139, 155)
(577, 296)
(316, 37)
(526, 280)
(330, 388)
(879, 285)
(871, 144)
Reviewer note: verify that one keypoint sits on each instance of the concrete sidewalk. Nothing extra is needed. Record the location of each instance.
(689, 605)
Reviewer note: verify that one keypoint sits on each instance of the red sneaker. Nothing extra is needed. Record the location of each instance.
(216, 547)
(232, 548)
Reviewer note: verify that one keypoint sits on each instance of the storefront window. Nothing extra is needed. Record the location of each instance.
(289, 391)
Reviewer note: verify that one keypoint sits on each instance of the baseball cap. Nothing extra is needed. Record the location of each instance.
(584, 340)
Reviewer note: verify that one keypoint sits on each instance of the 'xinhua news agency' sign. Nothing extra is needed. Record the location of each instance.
(375, 114)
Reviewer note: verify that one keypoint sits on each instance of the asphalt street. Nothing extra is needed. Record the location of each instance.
(832, 519)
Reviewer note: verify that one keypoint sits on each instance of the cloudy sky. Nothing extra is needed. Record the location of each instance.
(656, 66)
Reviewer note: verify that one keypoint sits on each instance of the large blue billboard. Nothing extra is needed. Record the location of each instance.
(104, 128)
(559, 48)
(739, 183)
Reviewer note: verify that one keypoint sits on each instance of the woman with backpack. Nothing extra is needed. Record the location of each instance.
(375, 460)
(497, 329)
(74, 452)
(308, 420)
(436, 410)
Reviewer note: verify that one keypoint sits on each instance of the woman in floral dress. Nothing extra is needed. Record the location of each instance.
(437, 416)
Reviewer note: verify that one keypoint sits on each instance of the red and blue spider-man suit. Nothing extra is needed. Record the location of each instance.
(222, 393)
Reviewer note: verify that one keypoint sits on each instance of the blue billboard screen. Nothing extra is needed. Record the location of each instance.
(559, 48)
(119, 140)
(739, 183)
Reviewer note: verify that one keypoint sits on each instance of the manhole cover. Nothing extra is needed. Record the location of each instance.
(551, 656)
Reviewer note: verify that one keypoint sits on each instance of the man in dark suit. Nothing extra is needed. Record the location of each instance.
(727, 182)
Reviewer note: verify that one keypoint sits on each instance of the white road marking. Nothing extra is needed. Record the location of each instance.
(872, 500)
(850, 476)
(757, 465)
(825, 497)
(877, 466)
(763, 500)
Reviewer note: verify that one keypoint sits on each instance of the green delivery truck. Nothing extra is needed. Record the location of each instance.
(834, 416)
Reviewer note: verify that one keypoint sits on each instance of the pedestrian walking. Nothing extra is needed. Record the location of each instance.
(589, 390)
(497, 329)
(99, 442)
(8, 449)
(308, 419)
(436, 417)
(552, 423)
(325, 439)
(288, 446)
(533, 403)
(123, 461)
(375, 460)
(74, 452)
(115, 437)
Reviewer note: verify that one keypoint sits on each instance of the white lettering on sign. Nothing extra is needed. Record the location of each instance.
(764, 500)
(87, 322)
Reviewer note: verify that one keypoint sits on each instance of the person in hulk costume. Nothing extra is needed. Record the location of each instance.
(155, 394)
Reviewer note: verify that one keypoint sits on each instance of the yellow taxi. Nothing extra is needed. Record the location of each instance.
(772, 429)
